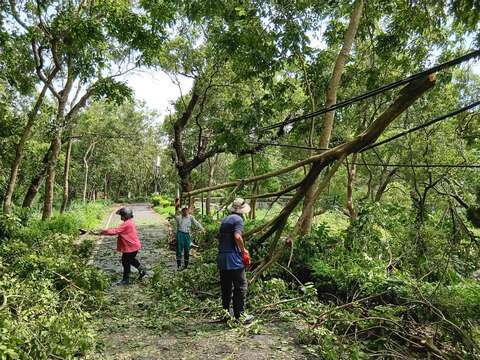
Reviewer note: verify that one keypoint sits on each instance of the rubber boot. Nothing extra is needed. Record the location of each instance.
(141, 272)
(179, 264)
(186, 264)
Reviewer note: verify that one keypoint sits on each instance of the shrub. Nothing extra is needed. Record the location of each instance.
(46, 286)
(159, 200)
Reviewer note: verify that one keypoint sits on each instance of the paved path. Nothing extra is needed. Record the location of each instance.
(124, 325)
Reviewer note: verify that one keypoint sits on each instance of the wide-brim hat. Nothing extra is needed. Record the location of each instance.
(239, 206)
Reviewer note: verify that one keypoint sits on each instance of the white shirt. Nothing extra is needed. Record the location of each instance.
(184, 223)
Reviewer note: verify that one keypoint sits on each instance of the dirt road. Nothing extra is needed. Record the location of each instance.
(125, 326)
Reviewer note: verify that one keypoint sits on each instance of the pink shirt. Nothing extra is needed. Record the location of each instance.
(127, 240)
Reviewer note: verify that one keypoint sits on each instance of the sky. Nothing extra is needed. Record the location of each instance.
(158, 91)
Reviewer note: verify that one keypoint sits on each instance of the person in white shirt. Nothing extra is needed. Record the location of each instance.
(184, 241)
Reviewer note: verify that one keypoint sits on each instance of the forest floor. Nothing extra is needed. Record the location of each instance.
(125, 328)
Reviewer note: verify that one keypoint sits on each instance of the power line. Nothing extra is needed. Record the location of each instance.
(287, 145)
(377, 91)
(434, 121)
(440, 118)
(474, 166)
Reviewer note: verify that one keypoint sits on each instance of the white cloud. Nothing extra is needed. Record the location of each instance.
(157, 89)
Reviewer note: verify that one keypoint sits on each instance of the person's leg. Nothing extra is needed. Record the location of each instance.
(226, 286)
(135, 263)
(187, 245)
(179, 249)
(126, 261)
(239, 279)
(133, 260)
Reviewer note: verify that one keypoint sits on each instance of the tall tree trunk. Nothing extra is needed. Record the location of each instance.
(328, 118)
(86, 158)
(15, 167)
(51, 167)
(253, 203)
(66, 173)
(212, 164)
(37, 180)
(351, 175)
(105, 187)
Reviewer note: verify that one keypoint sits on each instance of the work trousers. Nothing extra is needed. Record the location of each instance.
(238, 280)
(184, 242)
(127, 260)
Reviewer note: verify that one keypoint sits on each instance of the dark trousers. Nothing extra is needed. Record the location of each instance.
(127, 260)
(238, 280)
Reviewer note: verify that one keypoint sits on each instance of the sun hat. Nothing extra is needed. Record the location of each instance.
(239, 206)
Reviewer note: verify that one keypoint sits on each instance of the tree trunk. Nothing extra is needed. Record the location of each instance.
(50, 179)
(212, 164)
(37, 180)
(253, 202)
(384, 181)
(87, 157)
(406, 98)
(105, 187)
(15, 167)
(351, 175)
(331, 99)
(66, 172)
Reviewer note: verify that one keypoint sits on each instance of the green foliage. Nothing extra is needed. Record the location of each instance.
(161, 201)
(167, 211)
(47, 287)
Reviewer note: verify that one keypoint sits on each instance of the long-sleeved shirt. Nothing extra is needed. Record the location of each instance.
(127, 240)
(184, 223)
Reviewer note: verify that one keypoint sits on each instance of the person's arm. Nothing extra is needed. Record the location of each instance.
(197, 224)
(115, 231)
(239, 241)
(237, 234)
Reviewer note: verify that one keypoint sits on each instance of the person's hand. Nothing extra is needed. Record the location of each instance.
(246, 258)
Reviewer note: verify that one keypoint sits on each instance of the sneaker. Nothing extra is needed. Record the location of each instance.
(246, 319)
(122, 283)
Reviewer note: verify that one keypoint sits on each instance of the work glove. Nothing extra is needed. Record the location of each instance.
(246, 258)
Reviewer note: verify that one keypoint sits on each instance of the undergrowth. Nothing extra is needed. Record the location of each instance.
(355, 294)
(47, 289)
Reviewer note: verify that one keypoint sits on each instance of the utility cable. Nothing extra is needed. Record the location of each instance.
(434, 121)
(473, 166)
(375, 92)
(287, 145)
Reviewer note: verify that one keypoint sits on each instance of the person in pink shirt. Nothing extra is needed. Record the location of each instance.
(128, 244)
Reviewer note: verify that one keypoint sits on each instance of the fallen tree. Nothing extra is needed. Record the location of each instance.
(407, 96)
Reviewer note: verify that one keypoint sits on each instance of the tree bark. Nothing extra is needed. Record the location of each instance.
(37, 181)
(253, 202)
(86, 158)
(211, 172)
(105, 186)
(15, 167)
(351, 175)
(331, 99)
(50, 173)
(66, 173)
